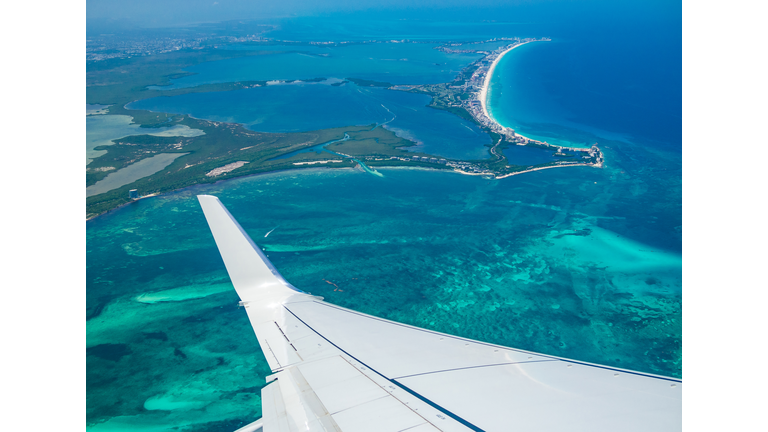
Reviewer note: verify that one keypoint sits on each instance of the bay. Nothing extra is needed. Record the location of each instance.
(131, 173)
(100, 130)
(310, 106)
(396, 63)
(579, 262)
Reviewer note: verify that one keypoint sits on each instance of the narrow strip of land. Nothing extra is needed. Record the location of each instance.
(467, 97)
(226, 150)
(487, 81)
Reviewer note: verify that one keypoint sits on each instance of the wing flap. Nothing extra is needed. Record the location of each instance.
(584, 397)
(273, 409)
(339, 385)
(276, 347)
(304, 410)
(342, 370)
(482, 385)
(398, 350)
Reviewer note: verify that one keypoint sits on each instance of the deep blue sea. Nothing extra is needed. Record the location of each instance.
(579, 262)
(611, 88)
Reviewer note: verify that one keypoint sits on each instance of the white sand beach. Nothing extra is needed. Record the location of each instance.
(487, 81)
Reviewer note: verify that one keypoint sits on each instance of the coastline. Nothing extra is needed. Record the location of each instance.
(474, 80)
(542, 168)
(487, 82)
(478, 109)
(199, 185)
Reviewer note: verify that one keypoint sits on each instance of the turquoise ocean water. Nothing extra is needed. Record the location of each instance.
(311, 106)
(304, 106)
(558, 272)
(576, 262)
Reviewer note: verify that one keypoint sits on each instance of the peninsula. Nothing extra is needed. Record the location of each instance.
(228, 150)
(467, 97)
(487, 80)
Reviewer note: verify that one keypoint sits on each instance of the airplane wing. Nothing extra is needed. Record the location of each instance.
(335, 369)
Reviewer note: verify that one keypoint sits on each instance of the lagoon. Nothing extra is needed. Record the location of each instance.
(133, 172)
(100, 130)
(305, 106)
(396, 63)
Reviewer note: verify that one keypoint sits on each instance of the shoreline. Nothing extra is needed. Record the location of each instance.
(198, 185)
(543, 168)
(487, 82)
(327, 168)
(308, 170)
(478, 108)
(475, 81)
(483, 98)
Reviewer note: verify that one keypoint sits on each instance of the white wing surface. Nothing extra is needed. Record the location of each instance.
(341, 370)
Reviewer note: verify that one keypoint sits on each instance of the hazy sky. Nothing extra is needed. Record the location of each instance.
(160, 13)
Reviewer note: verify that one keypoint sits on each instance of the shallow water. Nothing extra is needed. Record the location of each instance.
(95, 109)
(524, 155)
(102, 129)
(577, 262)
(311, 106)
(573, 262)
(395, 63)
(131, 173)
(317, 149)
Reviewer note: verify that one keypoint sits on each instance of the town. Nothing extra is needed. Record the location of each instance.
(466, 96)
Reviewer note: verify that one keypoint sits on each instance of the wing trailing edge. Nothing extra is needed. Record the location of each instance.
(340, 370)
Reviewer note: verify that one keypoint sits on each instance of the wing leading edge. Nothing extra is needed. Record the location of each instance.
(341, 370)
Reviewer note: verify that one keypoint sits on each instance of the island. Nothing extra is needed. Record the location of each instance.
(228, 150)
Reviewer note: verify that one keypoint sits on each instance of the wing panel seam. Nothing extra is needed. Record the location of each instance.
(498, 346)
(273, 354)
(413, 393)
(473, 367)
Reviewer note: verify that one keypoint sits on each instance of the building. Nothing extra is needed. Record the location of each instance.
(133, 194)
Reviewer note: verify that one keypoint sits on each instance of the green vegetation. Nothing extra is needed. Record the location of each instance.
(130, 150)
(118, 82)
(369, 83)
(222, 144)
(446, 98)
(464, 76)
(410, 164)
(311, 80)
(376, 142)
